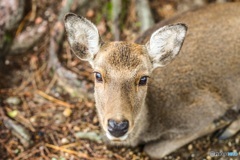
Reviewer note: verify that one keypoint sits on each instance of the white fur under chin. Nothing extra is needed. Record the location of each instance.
(110, 137)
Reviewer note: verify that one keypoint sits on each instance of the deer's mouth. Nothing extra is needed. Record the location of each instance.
(117, 139)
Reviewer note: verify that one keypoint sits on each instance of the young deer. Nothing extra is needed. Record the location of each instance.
(140, 101)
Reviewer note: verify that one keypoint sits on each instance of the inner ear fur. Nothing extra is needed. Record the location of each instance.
(83, 36)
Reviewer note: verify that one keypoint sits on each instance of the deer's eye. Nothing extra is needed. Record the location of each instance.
(143, 81)
(98, 77)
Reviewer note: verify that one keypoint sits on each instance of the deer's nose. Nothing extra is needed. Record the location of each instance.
(117, 129)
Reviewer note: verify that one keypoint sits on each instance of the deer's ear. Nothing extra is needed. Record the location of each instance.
(165, 44)
(83, 36)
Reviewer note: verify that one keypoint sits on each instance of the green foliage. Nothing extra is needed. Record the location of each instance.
(106, 12)
(7, 38)
(137, 24)
(107, 9)
(124, 12)
(12, 114)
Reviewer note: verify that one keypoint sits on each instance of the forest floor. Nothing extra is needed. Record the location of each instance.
(41, 120)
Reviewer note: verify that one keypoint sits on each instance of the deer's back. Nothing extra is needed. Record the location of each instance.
(210, 56)
(207, 68)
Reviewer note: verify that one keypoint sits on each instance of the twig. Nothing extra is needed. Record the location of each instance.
(42, 153)
(29, 80)
(118, 156)
(80, 155)
(2, 114)
(53, 138)
(70, 145)
(21, 25)
(21, 119)
(7, 148)
(29, 153)
(50, 98)
(24, 84)
(19, 131)
(34, 10)
(51, 84)
(2, 118)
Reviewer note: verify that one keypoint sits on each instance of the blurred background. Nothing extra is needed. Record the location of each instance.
(46, 93)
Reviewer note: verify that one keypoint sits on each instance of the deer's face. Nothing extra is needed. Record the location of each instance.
(122, 70)
(121, 73)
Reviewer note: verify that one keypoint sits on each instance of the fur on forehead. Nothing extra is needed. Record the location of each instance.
(122, 55)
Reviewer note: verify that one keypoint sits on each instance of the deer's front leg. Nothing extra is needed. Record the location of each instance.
(160, 149)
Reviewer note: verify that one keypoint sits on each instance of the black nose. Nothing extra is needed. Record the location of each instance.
(117, 129)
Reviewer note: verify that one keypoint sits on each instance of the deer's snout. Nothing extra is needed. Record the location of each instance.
(118, 129)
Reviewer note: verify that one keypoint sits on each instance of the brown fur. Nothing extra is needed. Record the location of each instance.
(123, 55)
(183, 100)
(204, 81)
(121, 64)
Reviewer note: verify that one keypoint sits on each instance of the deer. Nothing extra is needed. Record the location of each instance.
(178, 81)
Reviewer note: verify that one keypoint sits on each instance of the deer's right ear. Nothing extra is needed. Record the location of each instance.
(83, 36)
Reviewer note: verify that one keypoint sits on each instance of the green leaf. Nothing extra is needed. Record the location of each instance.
(13, 113)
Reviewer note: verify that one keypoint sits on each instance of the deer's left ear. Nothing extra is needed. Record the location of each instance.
(83, 36)
(165, 44)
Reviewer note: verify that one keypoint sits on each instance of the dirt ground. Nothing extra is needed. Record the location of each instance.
(42, 119)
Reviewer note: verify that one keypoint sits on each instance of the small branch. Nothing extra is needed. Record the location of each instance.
(50, 98)
(70, 145)
(20, 118)
(79, 155)
(19, 131)
(28, 153)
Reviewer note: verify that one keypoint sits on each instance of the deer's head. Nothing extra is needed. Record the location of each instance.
(121, 70)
